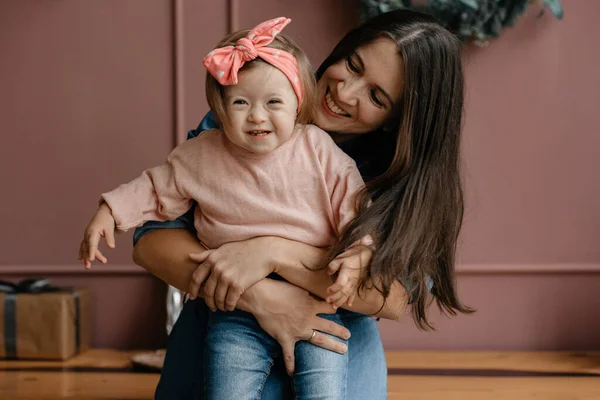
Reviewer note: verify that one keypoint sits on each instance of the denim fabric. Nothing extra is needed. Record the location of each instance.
(183, 374)
(240, 355)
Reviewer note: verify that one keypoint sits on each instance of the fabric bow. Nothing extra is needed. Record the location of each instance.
(35, 285)
(225, 62)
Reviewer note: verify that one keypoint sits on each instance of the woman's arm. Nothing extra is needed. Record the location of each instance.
(289, 259)
(284, 311)
(164, 253)
(293, 261)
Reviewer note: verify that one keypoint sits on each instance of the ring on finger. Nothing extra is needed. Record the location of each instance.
(313, 335)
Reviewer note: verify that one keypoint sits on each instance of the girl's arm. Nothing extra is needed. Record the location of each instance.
(291, 260)
(294, 262)
(284, 311)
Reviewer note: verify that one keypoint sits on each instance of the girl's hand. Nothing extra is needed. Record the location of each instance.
(351, 266)
(289, 314)
(101, 225)
(230, 270)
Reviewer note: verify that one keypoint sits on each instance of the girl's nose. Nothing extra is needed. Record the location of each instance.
(257, 115)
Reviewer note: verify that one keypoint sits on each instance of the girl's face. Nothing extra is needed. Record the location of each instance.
(260, 110)
(356, 94)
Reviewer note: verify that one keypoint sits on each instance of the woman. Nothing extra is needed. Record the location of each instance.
(391, 96)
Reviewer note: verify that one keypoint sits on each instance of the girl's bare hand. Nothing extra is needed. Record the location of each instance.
(101, 225)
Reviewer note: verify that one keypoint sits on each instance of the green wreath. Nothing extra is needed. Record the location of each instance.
(470, 20)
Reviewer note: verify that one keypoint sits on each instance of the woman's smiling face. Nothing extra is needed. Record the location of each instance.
(356, 95)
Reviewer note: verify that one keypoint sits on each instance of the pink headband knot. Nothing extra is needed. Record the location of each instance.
(224, 63)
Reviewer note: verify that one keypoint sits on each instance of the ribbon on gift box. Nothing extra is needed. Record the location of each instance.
(29, 286)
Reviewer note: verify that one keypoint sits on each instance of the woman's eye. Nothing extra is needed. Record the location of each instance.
(376, 100)
(239, 101)
(351, 65)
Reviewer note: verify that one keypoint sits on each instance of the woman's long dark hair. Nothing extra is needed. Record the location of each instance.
(417, 205)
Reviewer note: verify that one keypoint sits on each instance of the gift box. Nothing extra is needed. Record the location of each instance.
(41, 321)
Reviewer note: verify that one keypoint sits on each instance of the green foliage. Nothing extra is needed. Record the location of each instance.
(478, 20)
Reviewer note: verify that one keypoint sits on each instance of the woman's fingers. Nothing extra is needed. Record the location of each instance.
(330, 327)
(220, 295)
(287, 347)
(322, 307)
(198, 278)
(329, 343)
(200, 257)
(233, 295)
(209, 292)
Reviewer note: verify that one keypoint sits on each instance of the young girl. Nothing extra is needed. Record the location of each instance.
(408, 151)
(266, 173)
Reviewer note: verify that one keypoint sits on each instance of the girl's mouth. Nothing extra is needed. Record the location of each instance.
(258, 133)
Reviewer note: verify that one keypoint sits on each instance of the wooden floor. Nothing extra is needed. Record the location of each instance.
(107, 374)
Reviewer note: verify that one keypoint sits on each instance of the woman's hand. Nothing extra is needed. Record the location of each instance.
(227, 272)
(289, 314)
(101, 225)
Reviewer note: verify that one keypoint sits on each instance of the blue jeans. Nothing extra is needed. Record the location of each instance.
(240, 354)
(183, 375)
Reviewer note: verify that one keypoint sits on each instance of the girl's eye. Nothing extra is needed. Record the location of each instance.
(351, 65)
(239, 101)
(375, 99)
(274, 101)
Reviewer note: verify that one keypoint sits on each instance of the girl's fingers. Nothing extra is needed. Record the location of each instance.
(109, 238)
(340, 282)
(340, 302)
(92, 242)
(336, 298)
(333, 266)
(100, 257)
(351, 299)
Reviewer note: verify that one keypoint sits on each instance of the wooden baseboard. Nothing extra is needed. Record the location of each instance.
(46, 270)
(464, 269)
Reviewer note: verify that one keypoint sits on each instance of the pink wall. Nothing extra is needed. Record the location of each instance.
(93, 92)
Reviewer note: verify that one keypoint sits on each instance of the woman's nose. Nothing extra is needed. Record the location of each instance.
(347, 92)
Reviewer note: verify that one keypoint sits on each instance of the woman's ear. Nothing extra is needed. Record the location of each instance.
(389, 126)
(392, 124)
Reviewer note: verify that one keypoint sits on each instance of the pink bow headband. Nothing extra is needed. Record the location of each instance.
(225, 62)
